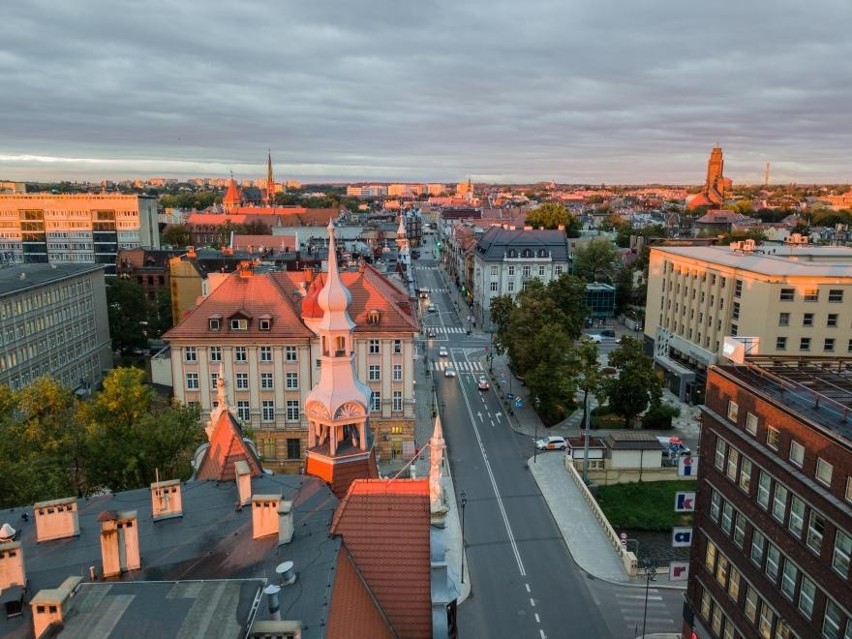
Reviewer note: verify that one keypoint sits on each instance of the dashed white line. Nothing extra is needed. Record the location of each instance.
(532, 602)
(527, 586)
(537, 620)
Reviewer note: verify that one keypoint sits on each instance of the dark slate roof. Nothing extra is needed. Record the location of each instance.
(19, 277)
(492, 246)
(211, 541)
(632, 441)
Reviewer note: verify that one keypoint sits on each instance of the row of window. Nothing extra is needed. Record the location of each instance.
(831, 319)
(267, 380)
(823, 469)
(835, 295)
(291, 353)
(526, 270)
(829, 344)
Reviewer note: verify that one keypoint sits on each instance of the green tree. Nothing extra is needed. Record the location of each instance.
(623, 288)
(256, 227)
(569, 294)
(637, 384)
(126, 308)
(177, 235)
(587, 371)
(501, 312)
(549, 379)
(597, 261)
(549, 215)
(160, 313)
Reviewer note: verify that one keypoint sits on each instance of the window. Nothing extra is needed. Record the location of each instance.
(773, 435)
(733, 409)
(823, 471)
(374, 372)
(722, 571)
(294, 448)
(788, 579)
(239, 324)
(715, 505)
(807, 592)
(773, 560)
(265, 353)
(751, 603)
(781, 343)
(842, 551)
(805, 344)
(215, 353)
(192, 381)
(779, 502)
(735, 312)
(831, 320)
(721, 449)
(292, 410)
(797, 516)
(557, 270)
(738, 288)
(397, 372)
(526, 271)
(808, 319)
(727, 518)
(189, 354)
(849, 489)
(739, 530)
(542, 270)
(706, 605)
(757, 543)
(397, 346)
(831, 620)
(811, 295)
(242, 381)
(745, 474)
(816, 528)
(376, 401)
(766, 621)
(214, 380)
(266, 381)
(494, 287)
(835, 295)
(374, 347)
(292, 381)
(510, 287)
(734, 583)
(733, 460)
(264, 324)
(214, 323)
(783, 319)
(710, 556)
(243, 411)
(797, 453)
(751, 424)
(267, 413)
(290, 354)
(397, 401)
(493, 271)
(787, 294)
(240, 354)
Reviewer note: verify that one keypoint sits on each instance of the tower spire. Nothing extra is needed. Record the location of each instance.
(270, 180)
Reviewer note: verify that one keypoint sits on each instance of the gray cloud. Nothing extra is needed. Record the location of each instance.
(604, 91)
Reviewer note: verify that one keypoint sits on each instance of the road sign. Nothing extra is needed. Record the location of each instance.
(687, 466)
(681, 537)
(519, 403)
(684, 502)
(678, 571)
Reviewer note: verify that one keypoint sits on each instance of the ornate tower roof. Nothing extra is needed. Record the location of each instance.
(270, 180)
(233, 196)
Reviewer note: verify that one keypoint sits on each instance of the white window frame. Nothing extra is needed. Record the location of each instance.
(751, 423)
(733, 411)
(265, 354)
(267, 411)
(215, 353)
(240, 354)
(267, 381)
(244, 410)
(397, 401)
(192, 381)
(823, 472)
(374, 373)
(397, 372)
(814, 536)
(841, 554)
(375, 402)
(374, 347)
(293, 409)
(291, 354)
(190, 354)
(797, 453)
(241, 381)
(291, 380)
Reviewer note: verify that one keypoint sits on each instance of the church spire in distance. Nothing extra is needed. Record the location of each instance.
(270, 180)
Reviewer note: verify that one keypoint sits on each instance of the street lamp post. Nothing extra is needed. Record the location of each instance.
(535, 441)
(650, 568)
(586, 438)
(463, 500)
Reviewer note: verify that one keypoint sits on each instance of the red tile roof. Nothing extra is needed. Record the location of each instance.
(385, 525)
(226, 448)
(339, 474)
(274, 242)
(354, 612)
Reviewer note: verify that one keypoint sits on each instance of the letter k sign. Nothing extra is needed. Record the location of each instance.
(684, 502)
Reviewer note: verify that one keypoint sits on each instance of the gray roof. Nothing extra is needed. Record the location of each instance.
(492, 246)
(211, 541)
(780, 261)
(19, 277)
(633, 441)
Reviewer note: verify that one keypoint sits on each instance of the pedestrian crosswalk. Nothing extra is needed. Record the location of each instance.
(656, 618)
(426, 268)
(463, 367)
(444, 329)
(433, 290)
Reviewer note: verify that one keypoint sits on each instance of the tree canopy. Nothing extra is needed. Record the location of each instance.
(637, 384)
(552, 215)
(597, 261)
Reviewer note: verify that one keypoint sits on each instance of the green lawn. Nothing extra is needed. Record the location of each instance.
(644, 505)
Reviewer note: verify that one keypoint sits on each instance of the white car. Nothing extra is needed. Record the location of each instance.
(554, 442)
(443, 352)
(482, 384)
(449, 371)
(592, 337)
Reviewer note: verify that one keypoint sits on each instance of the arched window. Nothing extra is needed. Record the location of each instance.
(527, 253)
(340, 345)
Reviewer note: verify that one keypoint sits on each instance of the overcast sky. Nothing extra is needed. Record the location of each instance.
(577, 91)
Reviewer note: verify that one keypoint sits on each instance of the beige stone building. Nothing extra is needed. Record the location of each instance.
(795, 299)
(75, 229)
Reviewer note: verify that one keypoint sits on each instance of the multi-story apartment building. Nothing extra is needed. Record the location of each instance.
(255, 329)
(772, 534)
(53, 320)
(77, 229)
(504, 260)
(795, 299)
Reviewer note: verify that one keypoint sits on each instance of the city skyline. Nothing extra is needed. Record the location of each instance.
(570, 92)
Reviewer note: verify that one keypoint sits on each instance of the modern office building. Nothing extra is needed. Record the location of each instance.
(797, 299)
(75, 229)
(53, 320)
(504, 260)
(772, 534)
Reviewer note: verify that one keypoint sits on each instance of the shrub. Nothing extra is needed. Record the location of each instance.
(659, 416)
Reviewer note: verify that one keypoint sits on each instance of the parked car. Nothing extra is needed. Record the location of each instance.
(674, 446)
(430, 333)
(449, 371)
(554, 442)
(432, 308)
(592, 337)
(482, 384)
(608, 332)
(442, 352)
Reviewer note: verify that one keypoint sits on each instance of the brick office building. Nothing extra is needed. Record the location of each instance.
(773, 521)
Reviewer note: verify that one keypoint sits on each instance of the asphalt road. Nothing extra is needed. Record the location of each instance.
(523, 580)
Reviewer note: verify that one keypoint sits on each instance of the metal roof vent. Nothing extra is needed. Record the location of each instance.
(286, 573)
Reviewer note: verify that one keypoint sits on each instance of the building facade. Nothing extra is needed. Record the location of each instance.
(504, 260)
(254, 329)
(75, 229)
(796, 300)
(53, 320)
(772, 534)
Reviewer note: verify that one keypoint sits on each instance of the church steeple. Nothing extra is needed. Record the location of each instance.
(340, 443)
(233, 196)
(270, 180)
(402, 242)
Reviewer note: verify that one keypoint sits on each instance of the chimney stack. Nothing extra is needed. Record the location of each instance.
(285, 523)
(264, 515)
(49, 605)
(243, 477)
(12, 571)
(119, 542)
(56, 519)
(166, 499)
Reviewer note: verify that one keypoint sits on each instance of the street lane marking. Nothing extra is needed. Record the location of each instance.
(537, 620)
(527, 586)
(532, 602)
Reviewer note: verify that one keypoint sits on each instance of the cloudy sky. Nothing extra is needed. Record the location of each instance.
(578, 91)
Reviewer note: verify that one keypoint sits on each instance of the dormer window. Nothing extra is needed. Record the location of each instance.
(527, 253)
(542, 253)
(373, 317)
(265, 322)
(214, 322)
(512, 253)
(239, 324)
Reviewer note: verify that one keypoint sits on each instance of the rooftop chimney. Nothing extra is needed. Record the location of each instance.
(49, 605)
(166, 499)
(56, 519)
(12, 571)
(264, 515)
(119, 542)
(285, 522)
(243, 477)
